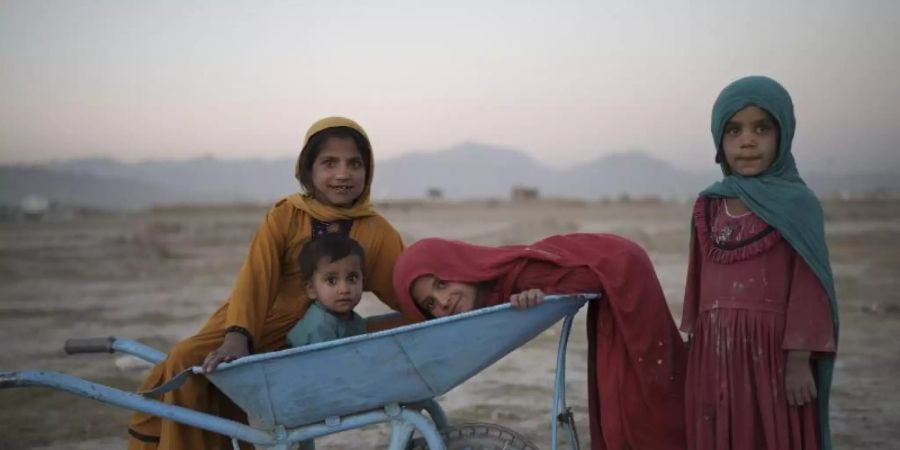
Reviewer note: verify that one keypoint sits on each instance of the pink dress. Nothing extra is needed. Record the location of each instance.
(749, 299)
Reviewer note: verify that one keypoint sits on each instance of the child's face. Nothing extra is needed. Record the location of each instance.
(750, 142)
(445, 298)
(337, 285)
(338, 173)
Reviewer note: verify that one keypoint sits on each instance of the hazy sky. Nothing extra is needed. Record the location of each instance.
(563, 81)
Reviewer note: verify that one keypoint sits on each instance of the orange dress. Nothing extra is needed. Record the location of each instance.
(268, 299)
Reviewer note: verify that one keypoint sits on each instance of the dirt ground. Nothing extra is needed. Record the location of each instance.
(155, 276)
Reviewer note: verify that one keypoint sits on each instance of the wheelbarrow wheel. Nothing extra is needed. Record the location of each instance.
(479, 436)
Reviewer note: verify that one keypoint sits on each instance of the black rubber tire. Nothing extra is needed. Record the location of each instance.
(479, 436)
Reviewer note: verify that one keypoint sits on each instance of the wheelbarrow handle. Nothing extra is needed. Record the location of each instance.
(113, 345)
(90, 345)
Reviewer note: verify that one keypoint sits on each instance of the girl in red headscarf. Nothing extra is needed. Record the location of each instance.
(636, 356)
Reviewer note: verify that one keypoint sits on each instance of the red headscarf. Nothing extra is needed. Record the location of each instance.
(637, 357)
(461, 262)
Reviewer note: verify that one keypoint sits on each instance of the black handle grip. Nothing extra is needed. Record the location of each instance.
(90, 345)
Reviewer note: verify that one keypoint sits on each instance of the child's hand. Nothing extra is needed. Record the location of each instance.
(527, 299)
(234, 347)
(799, 385)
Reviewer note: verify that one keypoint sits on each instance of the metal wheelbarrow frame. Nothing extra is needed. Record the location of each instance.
(298, 394)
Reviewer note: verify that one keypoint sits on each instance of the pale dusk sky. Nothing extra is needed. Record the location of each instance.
(563, 81)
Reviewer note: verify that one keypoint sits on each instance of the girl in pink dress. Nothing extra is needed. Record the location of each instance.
(759, 300)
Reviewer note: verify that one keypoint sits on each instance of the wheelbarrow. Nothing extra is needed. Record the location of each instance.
(391, 376)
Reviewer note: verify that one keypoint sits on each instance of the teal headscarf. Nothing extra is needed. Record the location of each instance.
(779, 197)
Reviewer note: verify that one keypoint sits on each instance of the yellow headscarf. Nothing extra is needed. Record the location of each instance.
(362, 207)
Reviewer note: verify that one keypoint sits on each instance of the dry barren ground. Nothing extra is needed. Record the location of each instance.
(155, 276)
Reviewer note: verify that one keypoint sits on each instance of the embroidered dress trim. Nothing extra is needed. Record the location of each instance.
(321, 228)
(719, 243)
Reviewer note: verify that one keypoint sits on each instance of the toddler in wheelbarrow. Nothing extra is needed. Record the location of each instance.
(482, 303)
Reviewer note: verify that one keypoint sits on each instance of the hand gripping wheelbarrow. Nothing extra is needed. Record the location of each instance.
(393, 376)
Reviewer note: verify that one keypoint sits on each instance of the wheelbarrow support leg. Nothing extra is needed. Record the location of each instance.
(401, 433)
(413, 419)
(559, 392)
(438, 416)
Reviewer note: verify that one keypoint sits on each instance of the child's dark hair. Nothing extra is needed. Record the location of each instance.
(333, 246)
(314, 146)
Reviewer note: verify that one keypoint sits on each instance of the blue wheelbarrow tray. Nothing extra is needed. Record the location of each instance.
(410, 364)
(315, 390)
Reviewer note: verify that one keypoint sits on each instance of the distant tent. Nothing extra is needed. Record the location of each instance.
(34, 207)
(434, 193)
(524, 193)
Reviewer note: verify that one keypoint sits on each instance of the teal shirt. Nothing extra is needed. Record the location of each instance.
(319, 325)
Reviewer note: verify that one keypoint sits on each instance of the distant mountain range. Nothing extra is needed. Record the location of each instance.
(468, 170)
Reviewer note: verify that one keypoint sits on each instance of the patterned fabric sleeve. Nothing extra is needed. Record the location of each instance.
(691, 306)
(258, 280)
(380, 261)
(808, 325)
